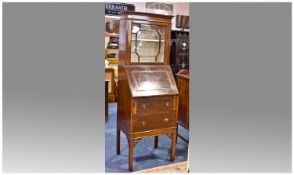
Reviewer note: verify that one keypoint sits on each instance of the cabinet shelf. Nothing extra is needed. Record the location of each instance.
(148, 55)
(149, 40)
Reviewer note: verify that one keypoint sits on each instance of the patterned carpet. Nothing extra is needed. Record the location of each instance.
(145, 156)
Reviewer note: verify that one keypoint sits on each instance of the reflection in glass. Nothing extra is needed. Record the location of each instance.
(148, 43)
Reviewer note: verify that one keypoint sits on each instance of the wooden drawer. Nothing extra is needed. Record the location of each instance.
(153, 122)
(154, 105)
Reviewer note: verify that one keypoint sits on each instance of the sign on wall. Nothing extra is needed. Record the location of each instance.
(115, 8)
(182, 22)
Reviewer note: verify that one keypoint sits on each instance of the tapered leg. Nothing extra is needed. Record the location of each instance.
(156, 142)
(173, 146)
(131, 150)
(117, 140)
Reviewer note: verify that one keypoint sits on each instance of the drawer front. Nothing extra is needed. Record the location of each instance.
(154, 105)
(153, 122)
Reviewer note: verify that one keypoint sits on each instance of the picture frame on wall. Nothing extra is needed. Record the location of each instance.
(111, 25)
(182, 22)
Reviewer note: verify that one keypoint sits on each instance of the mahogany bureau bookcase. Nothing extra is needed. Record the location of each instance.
(147, 91)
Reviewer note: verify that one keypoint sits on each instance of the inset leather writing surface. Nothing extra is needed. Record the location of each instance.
(146, 80)
(151, 80)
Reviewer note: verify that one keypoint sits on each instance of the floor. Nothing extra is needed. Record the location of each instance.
(180, 167)
(145, 155)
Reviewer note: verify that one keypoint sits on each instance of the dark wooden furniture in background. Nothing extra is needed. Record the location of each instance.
(109, 75)
(183, 87)
(179, 55)
(147, 92)
(106, 100)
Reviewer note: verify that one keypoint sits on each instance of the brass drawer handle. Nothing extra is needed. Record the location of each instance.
(143, 123)
(167, 104)
(144, 106)
(165, 120)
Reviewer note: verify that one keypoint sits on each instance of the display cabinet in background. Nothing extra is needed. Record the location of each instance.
(179, 55)
(111, 50)
(147, 91)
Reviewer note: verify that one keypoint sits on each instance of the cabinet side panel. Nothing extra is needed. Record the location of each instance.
(124, 101)
(167, 44)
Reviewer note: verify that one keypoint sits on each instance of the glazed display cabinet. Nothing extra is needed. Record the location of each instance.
(147, 92)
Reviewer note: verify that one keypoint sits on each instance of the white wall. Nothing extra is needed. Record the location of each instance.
(180, 8)
(139, 6)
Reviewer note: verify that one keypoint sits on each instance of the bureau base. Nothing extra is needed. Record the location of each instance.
(134, 138)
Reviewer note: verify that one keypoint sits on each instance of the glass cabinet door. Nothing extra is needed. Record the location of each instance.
(148, 43)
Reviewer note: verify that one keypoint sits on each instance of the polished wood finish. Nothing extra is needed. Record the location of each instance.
(183, 87)
(109, 76)
(147, 91)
